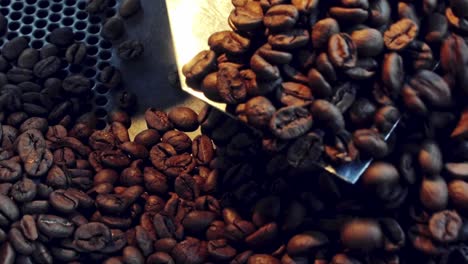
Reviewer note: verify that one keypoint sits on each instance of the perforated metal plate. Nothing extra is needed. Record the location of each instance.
(35, 19)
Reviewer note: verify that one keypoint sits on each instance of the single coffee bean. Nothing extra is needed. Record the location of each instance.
(28, 58)
(434, 194)
(130, 49)
(62, 36)
(247, 17)
(129, 8)
(291, 122)
(289, 40)
(24, 191)
(184, 119)
(362, 235)
(63, 201)
(96, 6)
(445, 226)
(113, 28)
(76, 53)
(10, 171)
(370, 142)
(197, 222)
(179, 140)
(202, 64)
(231, 86)
(54, 226)
(262, 258)
(342, 51)
(13, 48)
(92, 236)
(369, 42)
(48, 50)
(132, 255)
(202, 150)
(190, 250)
(430, 159)
(110, 77)
(21, 244)
(76, 84)
(400, 34)
(160, 258)
(47, 67)
(18, 75)
(228, 42)
(281, 17)
(302, 243)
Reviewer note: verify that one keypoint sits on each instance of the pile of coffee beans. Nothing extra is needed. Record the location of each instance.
(37, 83)
(333, 74)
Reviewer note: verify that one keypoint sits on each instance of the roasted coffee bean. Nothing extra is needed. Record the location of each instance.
(48, 50)
(62, 36)
(129, 8)
(92, 236)
(289, 40)
(113, 28)
(219, 250)
(47, 67)
(21, 244)
(434, 194)
(400, 34)
(13, 48)
(445, 226)
(96, 6)
(202, 64)
(132, 255)
(231, 86)
(191, 250)
(294, 94)
(76, 53)
(10, 171)
(28, 58)
(247, 17)
(160, 258)
(228, 42)
(9, 211)
(369, 42)
(430, 159)
(179, 140)
(126, 100)
(19, 75)
(203, 150)
(370, 142)
(342, 51)
(291, 122)
(197, 222)
(54, 226)
(111, 77)
(184, 119)
(130, 49)
(63, 201)
(262, 258)
(362, 235)
(264, 236)
(76, 84)
(281, 17)
(302, 243)
(24, 191)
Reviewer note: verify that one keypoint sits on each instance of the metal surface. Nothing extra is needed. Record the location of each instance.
(192, 22)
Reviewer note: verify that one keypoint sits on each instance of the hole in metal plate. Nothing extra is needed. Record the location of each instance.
(69, 11)
(17, 6)
(54, 17)
(25, 30)
(70, 2)
(105, 44)
(79, 36)
(37, 44)
(42, 13)
(68, 21)
(82, 15)
(27, 20)
(101, 89)
(16, 15)
(92, 50)
(43, 3)
(13, 26)
(80, 25)
(105, 55)
(56, 8)
(101, 101)
(92, 40)
(30, 10)
(39, 33)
